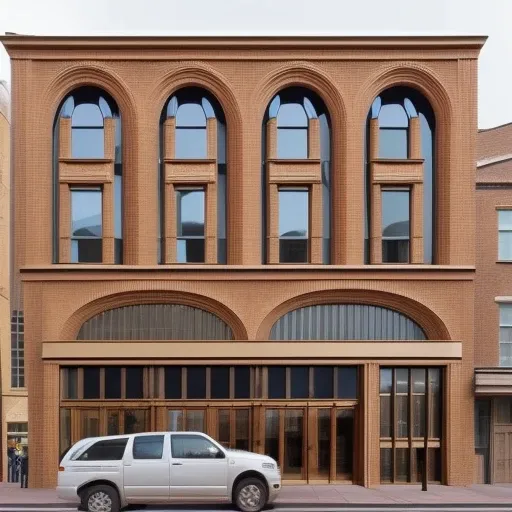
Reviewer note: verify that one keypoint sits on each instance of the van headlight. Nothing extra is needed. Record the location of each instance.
(268, 465)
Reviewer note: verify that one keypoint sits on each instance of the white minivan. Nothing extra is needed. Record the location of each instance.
(105, 474)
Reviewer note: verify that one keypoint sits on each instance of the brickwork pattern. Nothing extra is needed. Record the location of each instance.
(347, 75)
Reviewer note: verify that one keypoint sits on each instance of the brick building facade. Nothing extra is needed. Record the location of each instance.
(269, 239)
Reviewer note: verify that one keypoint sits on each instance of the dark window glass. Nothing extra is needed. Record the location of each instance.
(196, 382)
(219, 382)
(71, 383)
(242, 382)
(324, 382)
(386, 380)
(148, 447)
(402, 464)
(190, 226)
(86, 226)
(277, 382)
(386, 465)
(113, 382)
(135, 421)
(134, 382)
(91, 382)
(299, 381)
(172, 382)
(110, 449)
(395, 226)
(347, 382)
(194, 447)
(293, 225)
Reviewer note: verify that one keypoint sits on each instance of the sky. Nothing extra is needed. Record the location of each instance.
(285, 17)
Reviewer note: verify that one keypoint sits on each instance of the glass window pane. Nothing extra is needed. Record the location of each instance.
(190, 250)
(385, 416)
(86, 213)
(112, 423)
(418, 464)
(113, 382)
(395, 225)
(134, 382)
(344, 444)
(293, 213)
(91, 382)
(505, 246)
(402, 464)
(293, 251)
(172, 382)
(386, 465)
(87, 143)
(505, 354)
(190, 212)
(196, 382)
(118, 205)
(65, 431)
(418, 414)
(135, 421)
(148, 447)
(224, 427)
(505, 219)
(402, 380)
(436, 406)
(293, 466)
(505, 315)
(242, 382)
(175, 420)
(219, 382)
(393, 143)
(386, 380)
(195, 421)
(70, 383)
(242, 426)
(323, 382)
(503, 410)
(292, 114)
(272, 433)
(277, 382)
(347, 382)
(88, 115)
(418, 380)
(87, 250)
(299, 382)
(109, 449)
(191, 143)
(393, 115)
(193, 447)
(395, 251)
(190, 114)
(434, 465)
(402, 416)
(292, 143)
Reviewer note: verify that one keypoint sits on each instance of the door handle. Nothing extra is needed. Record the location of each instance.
(177, 464)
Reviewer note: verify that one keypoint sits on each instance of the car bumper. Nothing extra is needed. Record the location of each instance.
(68, 493)
(274, 488)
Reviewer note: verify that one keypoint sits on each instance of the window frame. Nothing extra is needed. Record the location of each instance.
(285, 189)
(504, 326)
(403, 190)
(175, 435)
(179, 238)
(503, 230)
(141, 438)
(72, 237)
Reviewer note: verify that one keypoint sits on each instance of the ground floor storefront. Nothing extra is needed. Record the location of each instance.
(311, 419)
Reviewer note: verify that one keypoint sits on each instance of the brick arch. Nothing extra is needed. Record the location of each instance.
(76, 320)
(429, 84)
(198, 74)
(433, 327)
(303, 74)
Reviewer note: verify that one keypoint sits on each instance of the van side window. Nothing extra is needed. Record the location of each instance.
(110, 449)
(148, 447)
(194, 447)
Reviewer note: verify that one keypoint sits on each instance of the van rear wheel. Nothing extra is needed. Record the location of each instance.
(100, 498)
(250, 495)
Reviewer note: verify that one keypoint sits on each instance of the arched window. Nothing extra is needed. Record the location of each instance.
(87, 179)
(155, 322)
(346, 322)
(193, 179)
(296, 179)
(399, 178)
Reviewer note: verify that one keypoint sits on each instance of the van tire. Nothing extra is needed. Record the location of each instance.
(100, 492)
(250, 495)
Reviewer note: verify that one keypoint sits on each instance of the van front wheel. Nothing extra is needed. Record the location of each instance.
(100, 498)
(250, 495)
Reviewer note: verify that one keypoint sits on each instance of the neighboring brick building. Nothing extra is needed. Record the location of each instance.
(321, 192)
(493, 308)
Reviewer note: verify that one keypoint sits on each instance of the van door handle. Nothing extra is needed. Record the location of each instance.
(177, 464)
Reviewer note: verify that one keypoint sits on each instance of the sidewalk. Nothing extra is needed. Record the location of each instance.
(311, 495)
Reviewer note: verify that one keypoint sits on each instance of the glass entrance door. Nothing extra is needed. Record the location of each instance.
(313, 444)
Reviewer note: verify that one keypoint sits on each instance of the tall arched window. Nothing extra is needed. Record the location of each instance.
(88, 177)
(296, 179)
(193, 179)
(400, 178)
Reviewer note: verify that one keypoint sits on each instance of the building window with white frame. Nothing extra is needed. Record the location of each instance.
(506, 334)
(505, 235)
